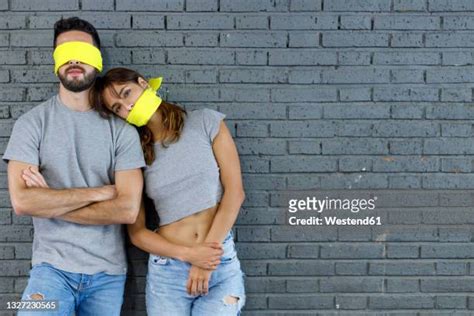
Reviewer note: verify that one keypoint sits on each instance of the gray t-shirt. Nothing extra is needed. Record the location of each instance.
(184, 178)
(76, 150)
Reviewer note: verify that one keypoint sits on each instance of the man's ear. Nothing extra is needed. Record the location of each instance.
(142, 82)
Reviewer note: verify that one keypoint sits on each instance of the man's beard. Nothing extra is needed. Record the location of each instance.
(78, 85)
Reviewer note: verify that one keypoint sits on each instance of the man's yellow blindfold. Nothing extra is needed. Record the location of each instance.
(80, 51)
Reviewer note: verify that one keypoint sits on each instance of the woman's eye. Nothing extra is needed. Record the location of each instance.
(126, 93)
(117, 109)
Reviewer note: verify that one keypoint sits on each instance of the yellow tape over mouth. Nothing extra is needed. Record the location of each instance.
(81, 51)
(146, 104)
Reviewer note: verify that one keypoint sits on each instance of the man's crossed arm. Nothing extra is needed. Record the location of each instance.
(110, 204)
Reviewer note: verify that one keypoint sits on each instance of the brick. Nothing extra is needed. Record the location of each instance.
(406, 58)
(355, 39)
(352, 251)
(199, 21)
(14, 22)
(200, 56)
(253, 39)
(409, 5)
(402, 251)
(360, 5)
(354, 147)
(301, 302)
(252, 75)
(105, 5)
(351, 268)
(303, 22)
(446, 5)
(201, 39)
(449, 39)
(148, 57)
(402, 302)
(253, 6)
(407, 23)
(150, 5)
(407, 39)
(301, 57)
(406, 94)
(355, 75)
(256, 146)
(304, 39)
(253, 22)
(289, 233)
(32, 39)
(302, 286)
(39, 5)
(356, 22)
(351, 285)
(147, 21)
(201, 5)
(148, 38)
(305, 5)
(302, 129)
(400, 268)
(254, 57)
(303, 94)
(305, 147)
(302, 164)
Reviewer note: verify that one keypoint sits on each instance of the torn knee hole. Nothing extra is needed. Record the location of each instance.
(37, 296)
(231, 300)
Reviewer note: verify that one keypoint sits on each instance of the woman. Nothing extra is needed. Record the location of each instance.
(193, 177)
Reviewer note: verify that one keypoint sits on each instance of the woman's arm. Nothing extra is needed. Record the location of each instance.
(228, 210)
(227, 158)
(205, 255)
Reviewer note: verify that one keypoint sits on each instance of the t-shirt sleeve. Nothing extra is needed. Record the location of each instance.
(24, 142)
(211, 122)
(128, 153)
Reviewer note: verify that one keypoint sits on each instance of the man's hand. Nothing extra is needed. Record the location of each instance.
(205, 255)
(198, 281)
(33, 178)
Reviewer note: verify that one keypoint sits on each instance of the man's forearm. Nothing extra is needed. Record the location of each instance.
(115, 211)
(49, 203)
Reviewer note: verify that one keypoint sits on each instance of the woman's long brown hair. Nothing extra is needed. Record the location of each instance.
(172, 115)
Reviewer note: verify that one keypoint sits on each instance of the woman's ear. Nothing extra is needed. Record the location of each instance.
(142, 83)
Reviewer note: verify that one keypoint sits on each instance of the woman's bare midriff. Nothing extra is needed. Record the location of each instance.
(190, 230)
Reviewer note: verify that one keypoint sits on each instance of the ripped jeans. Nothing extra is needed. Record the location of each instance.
(166, 286)
(82, 294)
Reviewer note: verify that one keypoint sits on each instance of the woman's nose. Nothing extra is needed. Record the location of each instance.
(129, 106)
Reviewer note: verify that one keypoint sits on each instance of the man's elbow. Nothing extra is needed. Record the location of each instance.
(19, 207)
(131, 213)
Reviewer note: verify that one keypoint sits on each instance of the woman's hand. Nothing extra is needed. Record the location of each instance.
(198, 281)
(206, 255)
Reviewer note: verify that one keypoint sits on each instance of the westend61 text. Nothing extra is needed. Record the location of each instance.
(334, 221)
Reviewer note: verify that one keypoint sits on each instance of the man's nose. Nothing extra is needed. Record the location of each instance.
(74, 62)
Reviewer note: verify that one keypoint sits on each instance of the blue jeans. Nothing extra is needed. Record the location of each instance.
(166, 286)
(84, 294)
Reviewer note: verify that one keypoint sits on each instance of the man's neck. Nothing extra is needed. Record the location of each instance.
(76, 101)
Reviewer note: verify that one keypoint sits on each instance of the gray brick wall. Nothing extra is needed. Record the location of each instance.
(339, 98)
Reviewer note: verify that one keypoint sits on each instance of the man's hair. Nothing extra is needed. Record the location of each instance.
(76, 24)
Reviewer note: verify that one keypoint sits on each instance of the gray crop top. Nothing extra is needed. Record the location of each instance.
(184, 178)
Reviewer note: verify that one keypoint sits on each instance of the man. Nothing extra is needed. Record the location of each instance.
(78, 175)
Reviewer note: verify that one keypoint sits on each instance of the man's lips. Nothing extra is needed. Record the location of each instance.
(75, 71)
